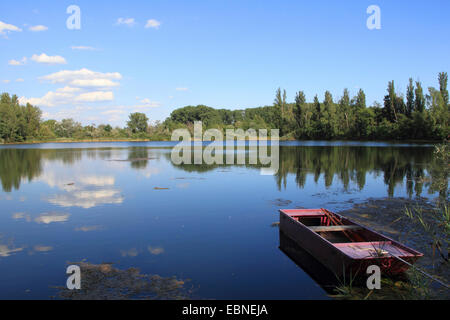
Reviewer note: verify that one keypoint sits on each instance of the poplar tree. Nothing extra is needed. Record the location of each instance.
(299, 109)
(419, 103)
(410, 98)
(443, 78)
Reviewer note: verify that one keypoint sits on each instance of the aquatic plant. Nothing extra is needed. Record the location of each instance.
(104, 282)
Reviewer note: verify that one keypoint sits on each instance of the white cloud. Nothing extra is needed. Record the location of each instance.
(100, 83)
(147, 103)
(114, 115)
(126, 21)
(6, 81)
(6, 251)
(87, 191)
(43, 248)
(155, 250)
(68, 76)
(20, 80)
(14, 62)
(43, 58)
(66, 113)
(182, 89)
(152, 23)
(98, 181)
(6, 28)
(50, 99)
(21, 215)
(38, 28)
(52, 217)
(83, 48)
(114, 111)
(81, 86)
(95, 96)
(68, 89)
(88, 198)
(89, 228)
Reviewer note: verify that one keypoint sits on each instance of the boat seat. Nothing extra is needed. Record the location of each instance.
(334, 228)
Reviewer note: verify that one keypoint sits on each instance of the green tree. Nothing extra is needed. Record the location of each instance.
(67, 128)
(317, 108)
(360, 100)
(443, 78)
(410, 98)
(344, 111)
(419, 103)
(389, 103)
(299, 110)
(138, 122)
(280, 101)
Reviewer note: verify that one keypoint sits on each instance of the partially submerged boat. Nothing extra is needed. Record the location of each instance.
(343, 246)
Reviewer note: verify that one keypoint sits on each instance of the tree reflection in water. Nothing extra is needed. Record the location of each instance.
(413, 166)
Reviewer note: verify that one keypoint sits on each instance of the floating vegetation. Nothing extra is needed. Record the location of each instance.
(421, 226)
(131, 159)
(281, 202)
(104, 282)
(188, 178)
(275, 224)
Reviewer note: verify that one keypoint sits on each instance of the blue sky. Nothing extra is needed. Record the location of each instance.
(225, 54)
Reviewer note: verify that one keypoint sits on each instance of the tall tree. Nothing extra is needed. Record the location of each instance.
(399, 105)
(330, 120)
(344, 109)
(438, 108)
(299, 110)
(316, 112)
(280, 101)
(443, 78)
(280, 105)
(410, 98)
(389, 103)
(360, 100)
(420, 98)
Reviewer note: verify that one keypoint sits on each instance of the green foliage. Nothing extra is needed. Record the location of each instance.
(17, 122)
(138, 122)
(443, 79)
(420, 117)
(410, 98)
(420, 98)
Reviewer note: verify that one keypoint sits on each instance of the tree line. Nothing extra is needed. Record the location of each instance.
(413, 115)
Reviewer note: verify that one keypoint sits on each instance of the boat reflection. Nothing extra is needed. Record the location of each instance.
(326, 279)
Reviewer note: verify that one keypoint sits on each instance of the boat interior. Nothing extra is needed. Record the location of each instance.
(354, 240)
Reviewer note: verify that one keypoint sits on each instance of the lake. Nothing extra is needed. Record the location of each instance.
(209, 225)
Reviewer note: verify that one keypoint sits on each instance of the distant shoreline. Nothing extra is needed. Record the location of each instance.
(150, 140)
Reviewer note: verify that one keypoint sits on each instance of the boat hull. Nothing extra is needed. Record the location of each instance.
(347, 258)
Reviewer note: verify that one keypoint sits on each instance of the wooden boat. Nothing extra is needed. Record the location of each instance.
(343, 246)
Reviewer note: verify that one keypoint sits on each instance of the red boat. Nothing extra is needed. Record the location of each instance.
(343, 246)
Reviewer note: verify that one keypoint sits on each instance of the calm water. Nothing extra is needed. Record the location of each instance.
(62, 203)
